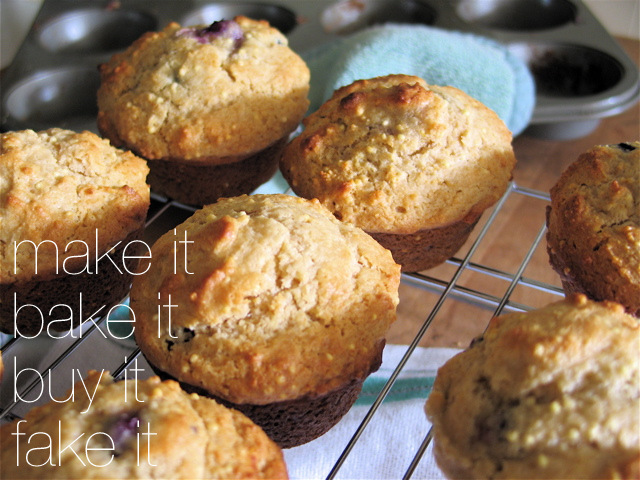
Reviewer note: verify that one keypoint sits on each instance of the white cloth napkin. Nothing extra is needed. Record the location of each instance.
(390, 441)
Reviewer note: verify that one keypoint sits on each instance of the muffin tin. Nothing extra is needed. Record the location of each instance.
(581, 73)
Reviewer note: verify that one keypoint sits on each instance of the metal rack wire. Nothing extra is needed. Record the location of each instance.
(90, 347)
(453, 289)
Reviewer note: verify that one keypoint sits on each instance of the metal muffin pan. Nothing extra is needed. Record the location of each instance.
(581, 72)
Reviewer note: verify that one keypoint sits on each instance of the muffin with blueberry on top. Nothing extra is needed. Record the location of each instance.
(210, 107)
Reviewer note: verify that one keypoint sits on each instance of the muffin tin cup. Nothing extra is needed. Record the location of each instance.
(93, 30)
(63, 97)
(580, 71)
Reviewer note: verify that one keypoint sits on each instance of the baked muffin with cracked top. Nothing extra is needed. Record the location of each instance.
(414, 165)
(593, 236)
(136, 429)
(210, 107)
(550, 393)
(72, 212)
(281, 311)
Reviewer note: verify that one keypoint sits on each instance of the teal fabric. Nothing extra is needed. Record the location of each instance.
(479, 66)
(121, 329)
(402, 389)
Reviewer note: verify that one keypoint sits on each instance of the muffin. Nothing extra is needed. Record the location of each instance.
(412, 164)
(550, 393)
(72, 210)
(280, 311)
(136, 429)
(593, 236)
(209, 107)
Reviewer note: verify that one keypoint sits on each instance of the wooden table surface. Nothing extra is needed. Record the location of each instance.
(540, 163)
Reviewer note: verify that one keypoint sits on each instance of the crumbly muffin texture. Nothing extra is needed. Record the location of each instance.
(60, 186)
(281, 300)
(229, 89)
(593, 221)
(154, 429)
(394, 154)
(551, 393)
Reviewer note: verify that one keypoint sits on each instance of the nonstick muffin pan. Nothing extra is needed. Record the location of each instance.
(581, 73)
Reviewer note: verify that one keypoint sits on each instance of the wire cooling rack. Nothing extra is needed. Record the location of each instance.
(471, 284)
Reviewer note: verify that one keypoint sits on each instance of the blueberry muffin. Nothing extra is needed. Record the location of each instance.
(210, 107)
(136, 429)
(280, 311)
(72, 210)
(414, 165)
(593, 236)
(550, 393)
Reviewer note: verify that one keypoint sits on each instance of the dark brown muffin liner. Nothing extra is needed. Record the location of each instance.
(203, 182)
(572, 286)
(427, 248)
(291, 423)
(591, 281)
(105, 288)
(296, 422)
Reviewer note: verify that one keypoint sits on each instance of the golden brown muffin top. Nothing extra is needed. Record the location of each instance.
(393, 154)
(60, 186)
(138, 429)
(281, 300)
(550, 393)
(594, 223)
(229, 89)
